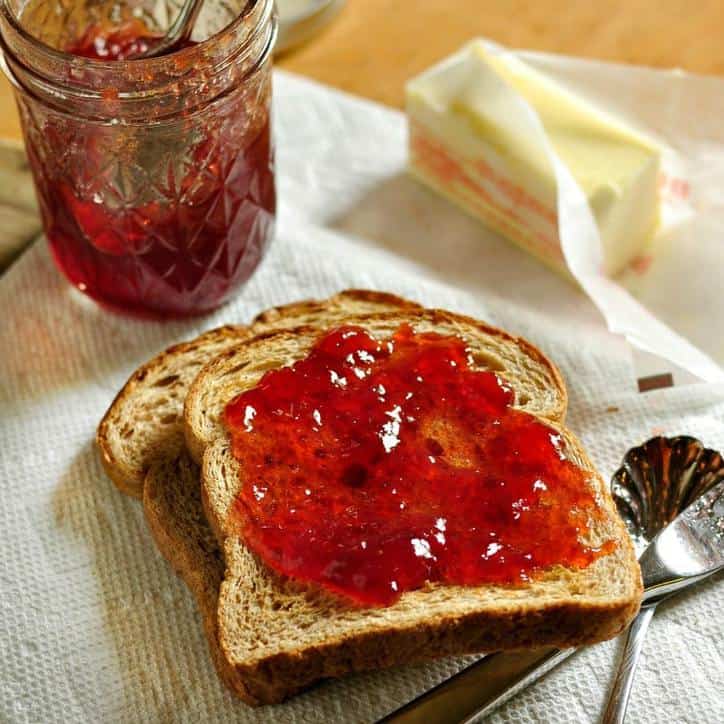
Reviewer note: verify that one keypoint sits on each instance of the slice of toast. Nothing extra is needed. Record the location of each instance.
(278, 636)
(538, 383)
(143, 424)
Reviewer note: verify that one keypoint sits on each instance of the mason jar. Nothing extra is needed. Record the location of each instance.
(154, 176)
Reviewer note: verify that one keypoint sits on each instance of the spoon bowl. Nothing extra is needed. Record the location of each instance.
(656, 482)
(659, 479)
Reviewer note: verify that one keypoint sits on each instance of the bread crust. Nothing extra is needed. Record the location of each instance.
(355, 300)
(277, 678)
(173, 512)
(127, 477)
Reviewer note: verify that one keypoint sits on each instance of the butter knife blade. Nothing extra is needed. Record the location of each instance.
(476, 690)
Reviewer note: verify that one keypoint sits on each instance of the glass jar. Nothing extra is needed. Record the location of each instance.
(155, 176)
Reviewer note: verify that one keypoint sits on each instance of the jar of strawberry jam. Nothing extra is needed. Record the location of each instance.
(155, 176)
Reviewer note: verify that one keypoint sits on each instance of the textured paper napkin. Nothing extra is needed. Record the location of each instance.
(96, 627)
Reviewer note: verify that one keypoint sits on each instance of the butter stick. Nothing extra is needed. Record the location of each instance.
(469, 144)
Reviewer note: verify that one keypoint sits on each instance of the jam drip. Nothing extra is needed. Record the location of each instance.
(371, 467)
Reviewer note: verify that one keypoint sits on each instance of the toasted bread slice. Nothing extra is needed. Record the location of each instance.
(537, 382)
(278, 636)
(143, 424)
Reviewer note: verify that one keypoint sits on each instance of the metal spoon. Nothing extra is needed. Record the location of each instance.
(696, 536)
(179, 31)
(657, 480)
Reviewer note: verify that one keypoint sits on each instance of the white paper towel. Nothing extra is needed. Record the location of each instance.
(95, 626)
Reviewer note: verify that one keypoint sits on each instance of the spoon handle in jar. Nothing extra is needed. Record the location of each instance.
(618, 699)
(179, 31)
(183, 25)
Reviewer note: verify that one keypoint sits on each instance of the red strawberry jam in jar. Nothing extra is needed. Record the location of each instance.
(377, 466)
(155, 177)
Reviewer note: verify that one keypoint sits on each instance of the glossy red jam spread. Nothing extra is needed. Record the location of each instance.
(371, 467)
(165, 218)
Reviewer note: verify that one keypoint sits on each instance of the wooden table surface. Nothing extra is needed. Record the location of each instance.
(373, 46)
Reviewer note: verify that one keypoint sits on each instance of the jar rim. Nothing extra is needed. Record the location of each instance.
(81, 62)
(145, 89)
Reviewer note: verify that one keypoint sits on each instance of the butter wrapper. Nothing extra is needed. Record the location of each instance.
(575, 185)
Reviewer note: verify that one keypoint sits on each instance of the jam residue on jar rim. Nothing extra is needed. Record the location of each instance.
(121, 42)
(374, 467)
(115, 43)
